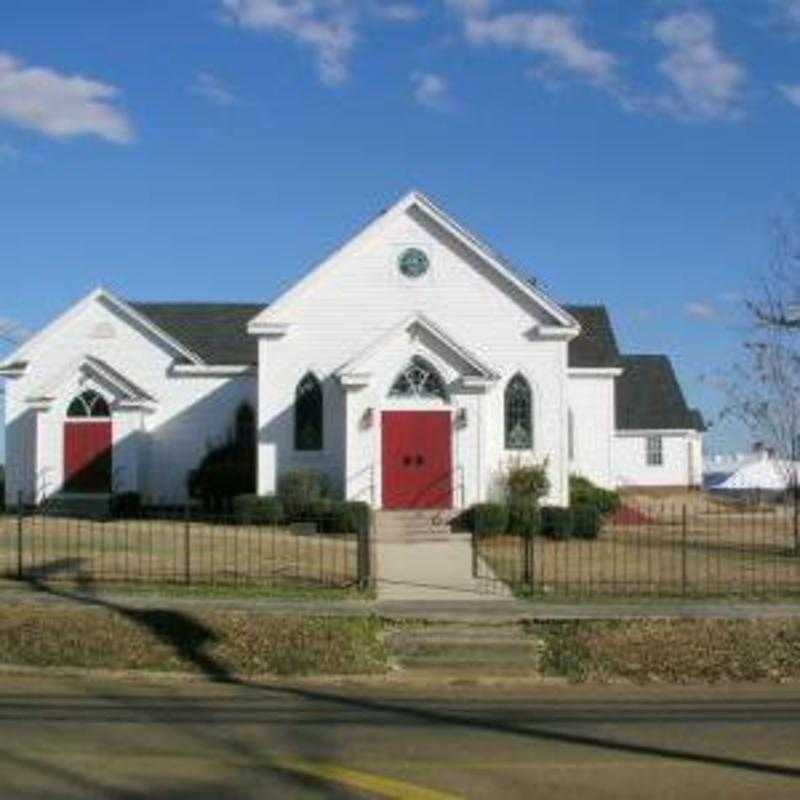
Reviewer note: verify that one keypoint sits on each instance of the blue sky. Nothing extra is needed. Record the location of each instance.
(625, 153)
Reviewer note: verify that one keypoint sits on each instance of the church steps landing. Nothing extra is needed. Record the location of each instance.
(413, 525)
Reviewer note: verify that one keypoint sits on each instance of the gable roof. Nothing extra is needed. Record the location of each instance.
(217, 332)
(596, 345)
(417, 202)
(649, 396)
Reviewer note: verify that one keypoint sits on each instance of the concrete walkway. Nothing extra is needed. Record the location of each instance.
(432, 571)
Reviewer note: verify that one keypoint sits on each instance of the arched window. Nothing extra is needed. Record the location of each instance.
(419, 379)
(89, 404)
(519, 414)
(308, 414)
(245, 425)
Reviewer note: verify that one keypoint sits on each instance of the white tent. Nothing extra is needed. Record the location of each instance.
(760, 474)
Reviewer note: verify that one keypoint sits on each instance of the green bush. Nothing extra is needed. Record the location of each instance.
(526, 483)
(300, 490)
(224, 473)
(586, 522)
(250, 509)
(487, 518)
(344, 516)
(557, 522)
(524, 518)
(582, 492)
(126, 505)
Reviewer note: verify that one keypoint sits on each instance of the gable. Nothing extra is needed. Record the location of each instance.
(461, 264)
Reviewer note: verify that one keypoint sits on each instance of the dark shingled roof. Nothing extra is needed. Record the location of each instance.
(596, 345)
(649, 396)
(217, 332)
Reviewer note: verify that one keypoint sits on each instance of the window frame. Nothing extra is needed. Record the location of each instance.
(526, 415)
(314, 394)
(654, 450)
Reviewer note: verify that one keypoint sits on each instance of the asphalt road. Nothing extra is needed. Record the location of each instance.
(81, 738)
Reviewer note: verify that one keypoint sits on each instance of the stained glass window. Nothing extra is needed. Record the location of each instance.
(419, 379)
(308, 414)
(88, 404)
(519, 414)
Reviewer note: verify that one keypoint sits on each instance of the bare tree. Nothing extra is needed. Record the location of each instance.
(763, 389)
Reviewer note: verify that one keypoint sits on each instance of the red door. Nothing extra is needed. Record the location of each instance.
(417, 463)
(87, 457)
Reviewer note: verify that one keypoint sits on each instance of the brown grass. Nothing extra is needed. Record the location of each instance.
(156, 551)
(156, 640)
(672, 651)
(721, 553)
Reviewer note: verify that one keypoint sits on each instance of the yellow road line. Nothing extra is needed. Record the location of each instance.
(383, 787)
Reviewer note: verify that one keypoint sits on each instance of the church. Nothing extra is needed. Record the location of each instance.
(412, 366)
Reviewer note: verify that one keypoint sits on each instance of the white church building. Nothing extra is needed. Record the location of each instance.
(412, 366)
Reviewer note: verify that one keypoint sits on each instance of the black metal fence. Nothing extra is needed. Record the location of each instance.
(700, 549)
(179, 546)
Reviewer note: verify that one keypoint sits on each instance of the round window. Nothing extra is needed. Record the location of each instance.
(413, 262)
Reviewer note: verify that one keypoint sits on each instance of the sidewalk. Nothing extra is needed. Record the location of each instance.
(481, 610)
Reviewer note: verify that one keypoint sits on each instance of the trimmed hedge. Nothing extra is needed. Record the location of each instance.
(250, 509)
(126, 505)
(524, 518)
(582, 492)
(487, 518)
(557, 522)
(301, 491)
(345, 516)
(586, 521)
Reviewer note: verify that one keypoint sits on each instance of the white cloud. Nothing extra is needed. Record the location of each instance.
(790, 11)
(213, 88)
(553, 36)
(700, 310)
(706, 83)
(326, 26)
(431, 90)
(58, 105)
(13, 331)
(791, 91)
(470, 8)
(396, 12)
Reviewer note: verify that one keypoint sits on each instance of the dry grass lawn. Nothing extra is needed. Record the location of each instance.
(722, 552)
(156, 551)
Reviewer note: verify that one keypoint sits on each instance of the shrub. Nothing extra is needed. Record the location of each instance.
(126, 504)
(345, 516)
(300, 489)
(250, 509)
(524, 518)
(586, 522)
(557, 522)
(224, 473)
(487, 518)
(582, 492)
(526, 483)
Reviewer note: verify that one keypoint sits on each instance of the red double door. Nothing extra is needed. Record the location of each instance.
(417, 461)
(87, 457)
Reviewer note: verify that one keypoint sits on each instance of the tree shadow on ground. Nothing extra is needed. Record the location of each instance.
(190, 639)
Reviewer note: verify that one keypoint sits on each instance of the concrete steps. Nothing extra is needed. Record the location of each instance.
(412, 526)
(474, 650)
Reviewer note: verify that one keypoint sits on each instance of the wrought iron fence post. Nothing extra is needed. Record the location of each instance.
(187, 553)
(474, 542)
(684, 580)
(19, 535)
(363, 556)
(526, 562)
(529, 565)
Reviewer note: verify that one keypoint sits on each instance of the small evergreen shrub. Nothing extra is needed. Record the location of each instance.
(345, 516)
(586, 521)
(557, 523)
(301, 491)
(582, 492)
(526, 483)
(126, 505)
(524, 518)
(250, 509)
(487, 518)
